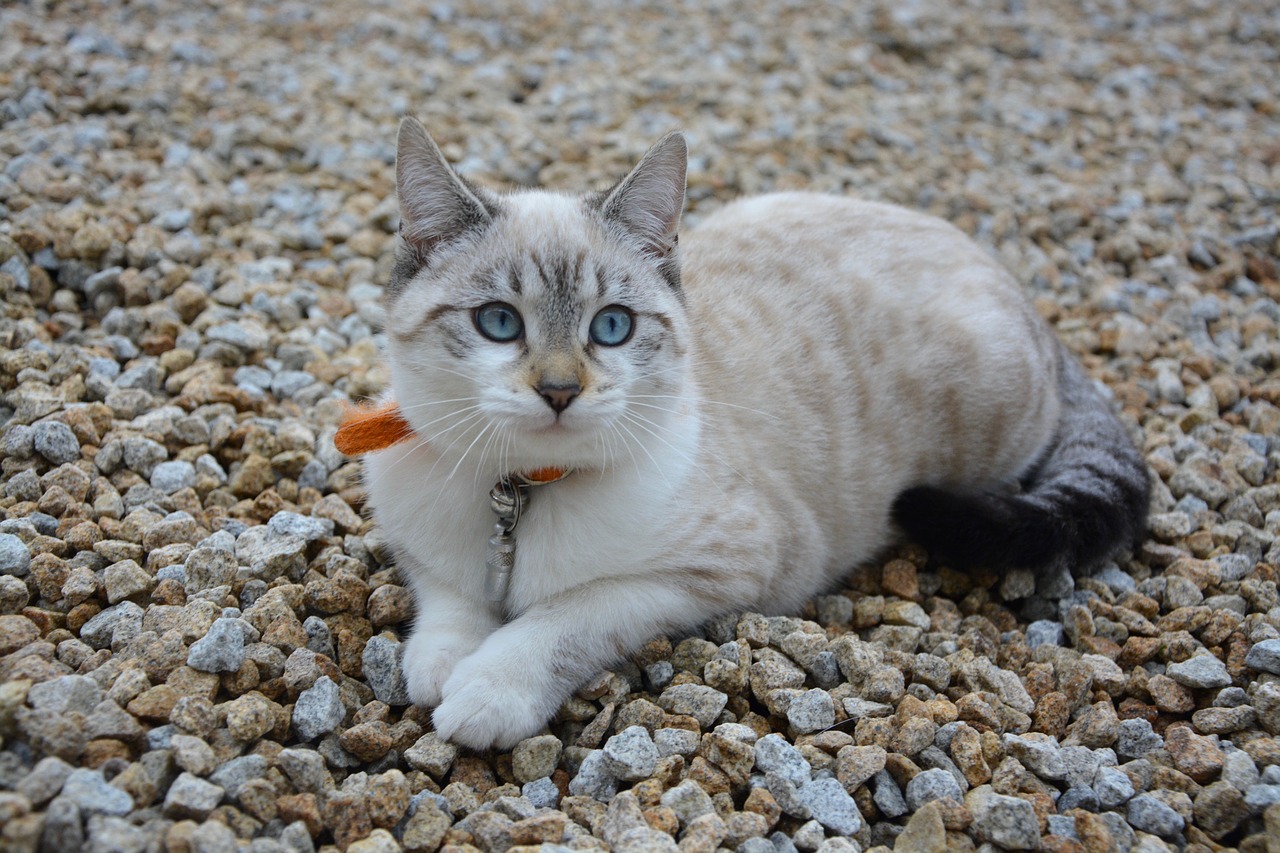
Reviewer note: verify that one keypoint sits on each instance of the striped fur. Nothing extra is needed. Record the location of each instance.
(1084, 499)
(797, 365)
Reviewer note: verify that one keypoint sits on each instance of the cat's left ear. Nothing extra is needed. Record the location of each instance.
(648, 201)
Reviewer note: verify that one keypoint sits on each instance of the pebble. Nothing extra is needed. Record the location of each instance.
(318, 710)
(929, 785)
(92, 794)
(1264, 656)
(1148, 814)
(1201, 672)
(15, 557)
(220, 650)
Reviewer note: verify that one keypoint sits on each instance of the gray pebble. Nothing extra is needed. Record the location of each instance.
(15, 557)
(1113, 787)
(630, 755)
(830, 804)
(543, 793)
(381, 660)
(594, 778)
(1148, 814)
(929, 785)
(170, 477)
(220, 650)
(1009, 822)
(305, 769)
(305, 527)
(63, 826)
(94, 795)
(114, 625)
(20, 441)
(110, 834)
(1045, 632)
(1078, 797)
(775, 755)
(1136, 738)
(143, 455)
(888, 796)
(234, 773)
(811, 711)
(702, 702)
(45, 780)
(1264, 657)
(56, 442)
(318, 710)
(1203, 671)
(65, 694)
(688, 800)
(191, 797)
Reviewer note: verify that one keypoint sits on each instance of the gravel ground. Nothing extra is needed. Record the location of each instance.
(198, 631)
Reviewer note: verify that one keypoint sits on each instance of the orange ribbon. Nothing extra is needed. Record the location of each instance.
(369, 428)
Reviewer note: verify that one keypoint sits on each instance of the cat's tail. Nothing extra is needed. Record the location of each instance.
(1085, 499)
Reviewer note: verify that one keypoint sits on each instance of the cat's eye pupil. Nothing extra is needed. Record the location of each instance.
(612, 326)
(499, 322)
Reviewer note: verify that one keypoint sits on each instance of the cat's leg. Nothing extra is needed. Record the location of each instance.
(448, 627)
(519, 677)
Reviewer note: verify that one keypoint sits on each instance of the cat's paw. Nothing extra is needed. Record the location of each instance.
(484, 708)
(430, 659)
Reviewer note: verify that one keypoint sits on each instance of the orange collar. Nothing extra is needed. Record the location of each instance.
(369, 428)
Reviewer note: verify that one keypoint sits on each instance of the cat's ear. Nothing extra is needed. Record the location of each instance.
(648, 201)
(436, 205)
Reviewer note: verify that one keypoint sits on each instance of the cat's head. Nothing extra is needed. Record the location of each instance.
(531, 328)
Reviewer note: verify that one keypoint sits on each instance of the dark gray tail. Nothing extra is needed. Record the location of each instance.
(1085, 499)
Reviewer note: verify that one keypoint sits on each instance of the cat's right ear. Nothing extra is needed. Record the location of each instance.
(436, 205)
(648, 202)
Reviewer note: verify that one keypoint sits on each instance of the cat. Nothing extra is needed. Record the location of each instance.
(731, 423)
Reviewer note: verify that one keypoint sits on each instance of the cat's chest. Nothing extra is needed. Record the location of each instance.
(572, 531)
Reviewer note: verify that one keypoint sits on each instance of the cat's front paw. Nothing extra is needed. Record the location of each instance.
(430, 659)
(483, 708)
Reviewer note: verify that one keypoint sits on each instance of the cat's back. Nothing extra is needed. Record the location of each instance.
(806, 239)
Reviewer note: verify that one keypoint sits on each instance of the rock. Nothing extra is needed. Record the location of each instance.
(16, 632)
(307, 528)
(92, 794)
(1136, 738)
(1201, 672)
(15, 558)
(1148, 814)
(536, 757)
(318, 710)
(220, 650)
(924, 832)
(431, 755)
(191, 797)
(56, 442)
(630, 755)
(381, 662)
(171, 477)
(775, 755)
(689, 802)
(856, 764)
(1264, 657)
(1009, 822)
(830, 804)
(811, 711)
(930, 785)
(702, 703)
(594, 779)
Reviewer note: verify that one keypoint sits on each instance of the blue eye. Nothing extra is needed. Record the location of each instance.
(499, 322)
(612, 326)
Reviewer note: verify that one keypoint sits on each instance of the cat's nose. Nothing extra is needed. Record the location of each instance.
(559, 397)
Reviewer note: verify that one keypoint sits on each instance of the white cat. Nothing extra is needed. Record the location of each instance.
(732, 424)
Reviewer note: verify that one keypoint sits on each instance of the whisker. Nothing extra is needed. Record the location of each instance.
(637, 440)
